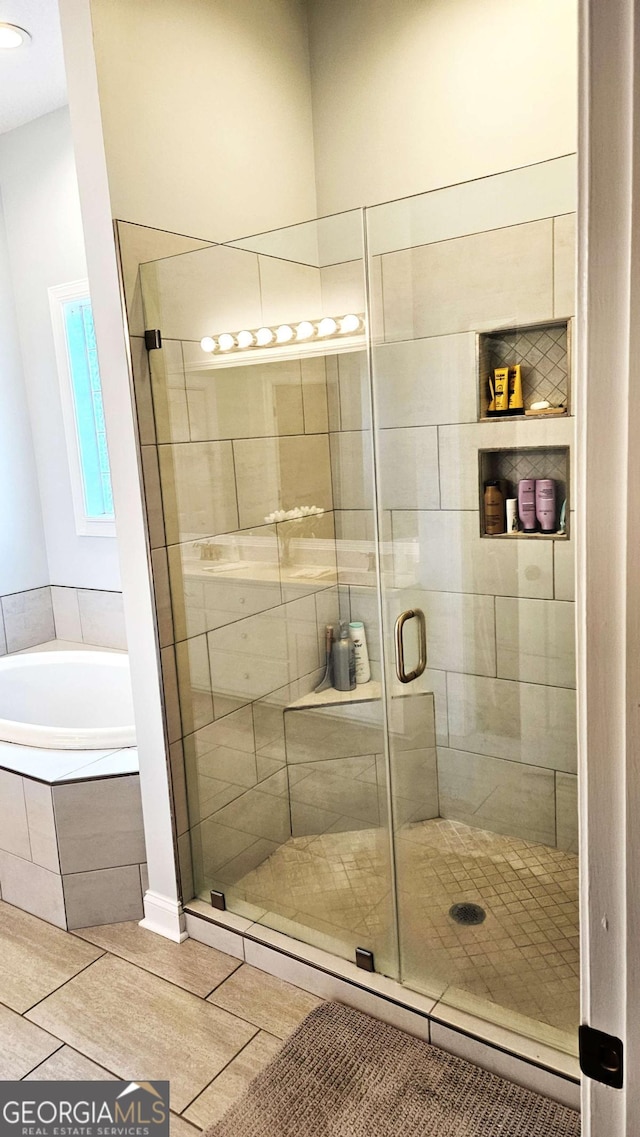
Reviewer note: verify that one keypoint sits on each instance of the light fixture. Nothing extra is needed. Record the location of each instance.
(327, 327)
(350, 323)
(11, 36)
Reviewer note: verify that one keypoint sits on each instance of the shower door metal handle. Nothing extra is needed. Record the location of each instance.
(403, 618)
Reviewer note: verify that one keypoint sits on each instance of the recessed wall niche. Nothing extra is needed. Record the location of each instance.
(512, 466)
(544, 354)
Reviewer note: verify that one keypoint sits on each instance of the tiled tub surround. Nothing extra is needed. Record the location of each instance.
(71, 834)
(76, 615)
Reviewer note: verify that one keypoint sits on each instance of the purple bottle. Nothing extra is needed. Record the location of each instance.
(527, 504)
(546, 504)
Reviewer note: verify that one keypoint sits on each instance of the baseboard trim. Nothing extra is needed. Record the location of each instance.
(164, 916)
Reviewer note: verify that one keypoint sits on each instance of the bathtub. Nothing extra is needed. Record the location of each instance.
(67, 700)
(72, 847)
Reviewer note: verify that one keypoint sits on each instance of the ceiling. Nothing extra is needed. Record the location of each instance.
(32, 78)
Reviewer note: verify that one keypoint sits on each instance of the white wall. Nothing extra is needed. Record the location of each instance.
(206, 113)
(46, 247)
(412, 94)
(23, 558)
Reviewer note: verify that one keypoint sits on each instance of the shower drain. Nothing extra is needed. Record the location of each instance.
(467, 913)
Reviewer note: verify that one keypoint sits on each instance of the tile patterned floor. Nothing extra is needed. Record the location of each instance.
(523, 958)
(119, 1002)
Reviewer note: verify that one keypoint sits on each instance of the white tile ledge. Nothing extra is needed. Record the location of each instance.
(53, 766)
(540, 1054)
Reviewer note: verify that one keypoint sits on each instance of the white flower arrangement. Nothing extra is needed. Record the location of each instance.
(293, 514)
(305, 515)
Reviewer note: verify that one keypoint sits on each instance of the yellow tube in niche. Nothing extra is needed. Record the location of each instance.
(501, 388)
(491, 409)
(516, 404)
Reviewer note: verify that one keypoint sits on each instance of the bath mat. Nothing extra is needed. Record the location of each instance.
(344, 1074)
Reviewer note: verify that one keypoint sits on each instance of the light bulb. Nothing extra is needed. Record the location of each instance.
(226, 341)
(11, 37)
(284, 333)
(245, 339)
(304, 330)
(264, 336)
(349, 323)
(208, 343)
(327, 327)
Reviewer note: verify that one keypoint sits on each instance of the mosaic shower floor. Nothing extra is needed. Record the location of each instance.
(523, 957)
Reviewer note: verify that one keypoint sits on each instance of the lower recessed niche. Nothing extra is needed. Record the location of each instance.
(509, 467)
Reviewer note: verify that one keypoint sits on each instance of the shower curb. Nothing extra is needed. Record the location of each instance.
(536, 1066)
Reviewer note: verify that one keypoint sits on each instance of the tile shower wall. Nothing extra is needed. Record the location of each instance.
(239, 600)
(500, 614)
(242, 603)
(79, 615)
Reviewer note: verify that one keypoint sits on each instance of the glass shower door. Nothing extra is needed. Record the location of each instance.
(320, 439)
(483, 798)
(261, 395)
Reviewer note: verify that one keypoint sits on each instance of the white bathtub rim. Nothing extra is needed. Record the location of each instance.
(46, 737)
(57, 767)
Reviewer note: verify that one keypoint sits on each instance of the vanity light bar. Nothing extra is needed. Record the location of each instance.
(328, 327)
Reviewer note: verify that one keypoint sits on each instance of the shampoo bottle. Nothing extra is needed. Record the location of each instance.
(493, 507)
(359, 641)
(546, 504)
(344, 661)
(527, 504)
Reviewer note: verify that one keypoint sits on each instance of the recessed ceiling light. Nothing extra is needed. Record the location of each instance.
(12, 36)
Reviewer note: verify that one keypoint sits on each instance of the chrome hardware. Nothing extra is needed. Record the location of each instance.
(410, 614)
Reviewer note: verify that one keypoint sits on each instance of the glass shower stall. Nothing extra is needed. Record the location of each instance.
(319, 431)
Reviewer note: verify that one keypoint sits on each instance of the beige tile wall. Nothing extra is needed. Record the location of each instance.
(72, 853)
(26, 619)
(500, 614)
(79, 615)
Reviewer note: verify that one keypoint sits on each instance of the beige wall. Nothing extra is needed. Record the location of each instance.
(409, 95)
(206, 113)
(223, 117)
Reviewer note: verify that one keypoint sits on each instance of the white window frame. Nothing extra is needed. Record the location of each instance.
(59, 295)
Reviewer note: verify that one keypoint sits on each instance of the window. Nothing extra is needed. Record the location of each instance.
(83, 414)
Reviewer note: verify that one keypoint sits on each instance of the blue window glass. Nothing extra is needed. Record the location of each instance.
(89, 413)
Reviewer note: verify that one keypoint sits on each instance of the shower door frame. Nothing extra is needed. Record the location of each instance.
(609, 546)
